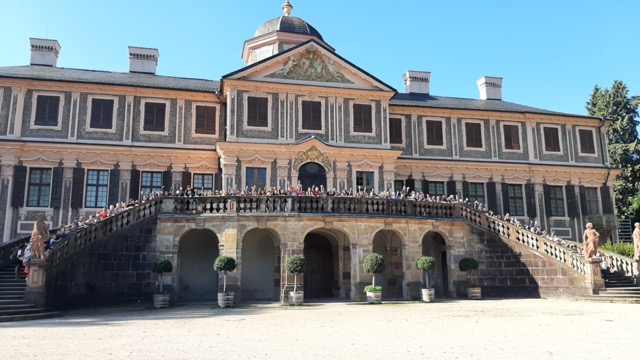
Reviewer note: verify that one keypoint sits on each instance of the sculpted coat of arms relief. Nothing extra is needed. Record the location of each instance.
(310, 66)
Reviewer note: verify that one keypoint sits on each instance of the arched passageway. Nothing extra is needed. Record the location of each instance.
(197, 281)
(312, 174)
(328, 272)
(389, 244)
(433, 244)
(259, 266)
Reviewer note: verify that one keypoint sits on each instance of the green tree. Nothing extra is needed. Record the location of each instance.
(622, 136)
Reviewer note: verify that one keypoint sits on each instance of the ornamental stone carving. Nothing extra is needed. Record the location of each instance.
(310, 66)
(312, 155)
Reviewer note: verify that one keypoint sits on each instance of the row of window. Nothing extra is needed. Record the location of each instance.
(474, 136)
(101, 115)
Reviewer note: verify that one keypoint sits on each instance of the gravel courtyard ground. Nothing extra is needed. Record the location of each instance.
(455, 329)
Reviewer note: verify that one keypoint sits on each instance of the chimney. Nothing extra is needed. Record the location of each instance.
(143, 60)
(416, 82)
(490, 88)
(44, 52)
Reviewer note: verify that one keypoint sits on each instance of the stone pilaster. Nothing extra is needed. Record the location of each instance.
(282, 173)
(229, 175)
(341, 171)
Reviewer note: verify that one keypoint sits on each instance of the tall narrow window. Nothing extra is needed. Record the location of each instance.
(364, 180)
(257, 111)
(587, 145)
(473, 133)
(150, 182)
(556, 197)
(97, 188)
(511, 137)
(39, 187)
(362, 118)
(47, 110)
(256, 176)
(516, 200)
(434, 133)
(592, 201)
(395, 131)
(311, 115)
(154, 116)
(551, 139)
(205, 120)
(101, 113)
(476, 193)
(203, 182)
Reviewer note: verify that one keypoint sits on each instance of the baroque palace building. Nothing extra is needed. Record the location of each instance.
(73, 141)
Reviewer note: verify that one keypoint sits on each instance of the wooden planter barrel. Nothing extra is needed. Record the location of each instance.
(225, 299)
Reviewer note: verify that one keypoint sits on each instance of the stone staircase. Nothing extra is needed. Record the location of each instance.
(12, 304)
(618, 288)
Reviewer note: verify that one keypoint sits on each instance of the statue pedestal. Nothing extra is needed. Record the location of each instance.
(36, 291)
(594, 277)
(636, 271)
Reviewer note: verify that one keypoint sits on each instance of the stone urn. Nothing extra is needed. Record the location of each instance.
(428, 295)
(296, 298)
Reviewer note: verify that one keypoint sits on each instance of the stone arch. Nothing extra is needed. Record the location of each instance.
(434, 244)
(197, 281)
(312, 174)
(389, 244)
(328, 254)
(259, 265)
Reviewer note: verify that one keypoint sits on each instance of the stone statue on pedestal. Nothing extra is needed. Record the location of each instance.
(636, 242)
(591, 240)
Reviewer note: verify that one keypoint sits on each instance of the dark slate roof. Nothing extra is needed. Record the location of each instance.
(289, 24)
(109, 78)
(442, 102)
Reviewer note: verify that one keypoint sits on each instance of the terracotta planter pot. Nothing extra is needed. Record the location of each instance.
(161, 300)
(296, 298)
(225, 299)
(474, 293)
(428, 295)
(374, 297)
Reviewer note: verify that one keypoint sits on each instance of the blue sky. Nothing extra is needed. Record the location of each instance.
(550, 53)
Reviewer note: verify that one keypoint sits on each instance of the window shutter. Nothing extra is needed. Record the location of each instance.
(19, 184)
(607, 204)
(114, 186)
(465, 190)
(451, 187)
(217, 185)
(505, 198)
(425, 187)
(134, 185)
(572, 204)
(547, 201)
(492, 201)
(56, 188)
(530, 198)
(77, 189)
(166, 180)
(186, 179)
(583, 199)
(411, 184)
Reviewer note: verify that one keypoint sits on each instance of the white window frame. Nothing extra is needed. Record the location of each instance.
(564, 203)
(322, 114)
(402, 125)
(519, 125)
(464, 135)
(245, 115)
(524, 217)
(27, 184)
(90, 98)
(444, 131)
(193, 120)
(373, 117)
(34, 104)
(577, 137)
(166, 116)
(544, 141)
(86, 176)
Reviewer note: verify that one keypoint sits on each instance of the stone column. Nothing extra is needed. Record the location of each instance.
(36, 289)
(594, 278)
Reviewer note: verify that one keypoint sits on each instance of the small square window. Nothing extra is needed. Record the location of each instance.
(473, 135)
(47, 110)
(395, 131)
(150, 182)
(311, 115)
(434, 131)
(587, 145)
(551, 139)
(364, 180)
(154, 116)
(101, 113)
(511, 137)
(205, 120)
(362, 118)
(257, 111)
(203, 182)
(256, 177)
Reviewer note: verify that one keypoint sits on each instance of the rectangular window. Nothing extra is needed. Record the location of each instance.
(364, 180)
(556, 197)
(516, 200)
(511, 137)
(434, 133)
(398, 185)
(101, 114)
(257, 177)
(476, 192)
(47, 110)
(258, 111)
(587, 145)
(592, 201)
(551, 139)
(311, 115)
(435, 188)
(362, 119)
(150, 182)
(202, 182)
(395, 131)
(97, 188)
(154, 116)
(473, 133)
(205, 120)
(39, 187)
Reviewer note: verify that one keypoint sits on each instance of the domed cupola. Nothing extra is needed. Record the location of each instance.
(279, 34)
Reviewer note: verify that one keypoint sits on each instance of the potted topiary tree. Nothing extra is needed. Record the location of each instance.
(161, 266)
(224, 264)
(468, 265)
(427, 264)
(373, 264)
(296, 265)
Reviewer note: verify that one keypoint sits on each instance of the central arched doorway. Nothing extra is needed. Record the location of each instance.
(433, 244)
(312, 174)
(328, 273)
(197, 281)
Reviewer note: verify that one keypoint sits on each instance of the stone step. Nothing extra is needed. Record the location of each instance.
(19, 306)
(12, 287)
(600, 298)
(12, 296)
(21, 311)
(33, 316)
(11, 302)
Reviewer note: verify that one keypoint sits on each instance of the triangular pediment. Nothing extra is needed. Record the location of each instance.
(310, 63)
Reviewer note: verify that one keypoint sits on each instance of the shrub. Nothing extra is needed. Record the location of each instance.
(371, 288)
(373, 263)
(468, 264)
(224, 263)
(162, 266)
(296, 264)
(624, 249)
(426, 263)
